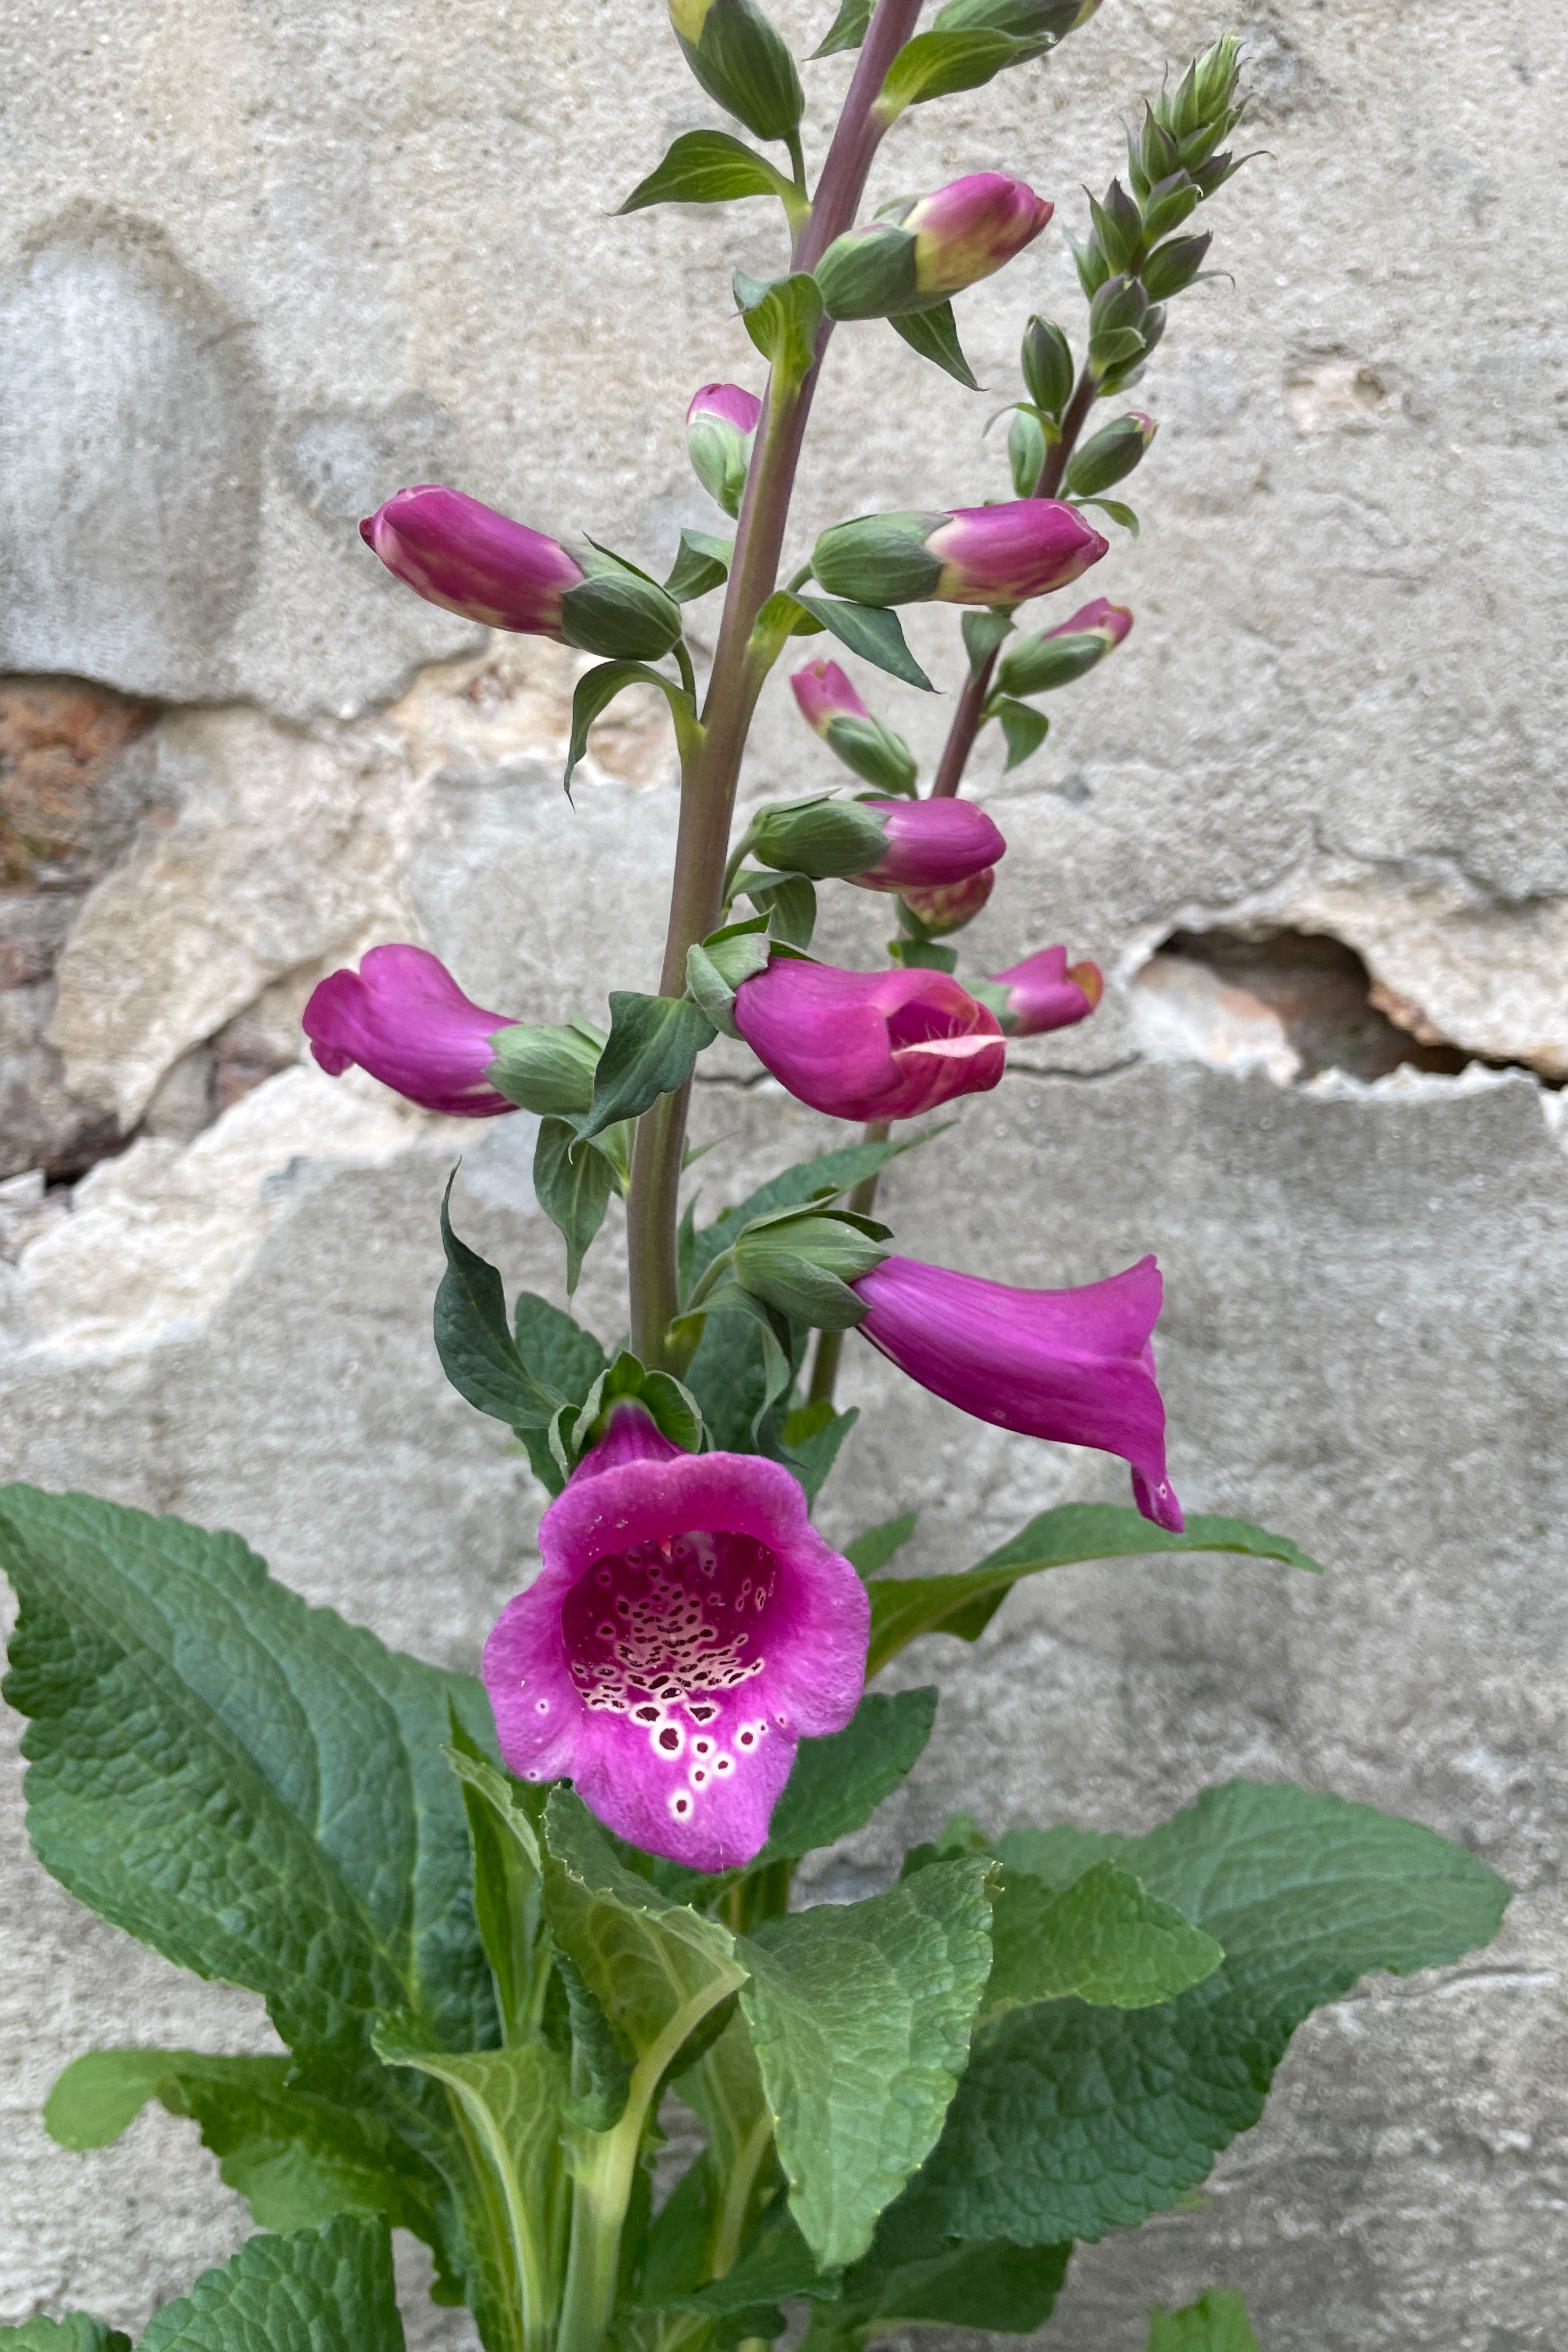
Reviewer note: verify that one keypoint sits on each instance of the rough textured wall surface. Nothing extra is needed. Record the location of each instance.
(264, 260)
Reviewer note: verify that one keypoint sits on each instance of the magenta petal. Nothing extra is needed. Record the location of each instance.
(930, 844)
(731, 403)
(1045, 993)
(1073, 1365)
(849, 1042)
(467, 558)
(824, 693)
(687, 1628)
(1006, 554)
(403, 1017)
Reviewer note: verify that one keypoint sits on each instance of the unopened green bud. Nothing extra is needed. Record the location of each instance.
(1110, 455)
(820, 838)
(1026, 451)
(742, 61)
(1045, 359)
(1115, 320)
(1118, 226)
(870, 273)
(1167, 206)
(1174, 265)
(546, 1069)
(1151, 156)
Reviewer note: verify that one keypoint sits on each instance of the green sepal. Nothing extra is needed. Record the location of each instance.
(672, 1408)
(572, 1183)
(903, 1608)
(713, 167)
(986, 627)
(817, 835)
(702, 565)
(847, 29)
(787, 901)
(1046, 362)
(652, 1049)
(1024, 728)
(716, 967)
(619, 612)
(933, 333)
(873, 752)
(546, 1068)
(1038, 664)
(782, 316)
(473, 1337)
(1217, 2322)
(1108, 456)
(934, 65)
(803, 1262)
(1026, 451)
(1174, 266)
(597, 688)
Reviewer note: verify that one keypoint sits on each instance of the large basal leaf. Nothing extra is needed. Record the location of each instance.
(249, 1785)
(861, 2015)
(77, 2332)
(1105, 1939)
(1073, 2120)
(1217, 2322)
(902, 1608)
(295, 2157)
(912, 2279)
(327, 2290)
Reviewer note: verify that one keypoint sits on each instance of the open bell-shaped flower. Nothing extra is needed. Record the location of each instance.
(1073, 1365)
(403, 1017)
(869, 1044)
(687, 1628)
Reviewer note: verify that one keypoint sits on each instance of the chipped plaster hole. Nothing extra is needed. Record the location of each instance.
(1324, 389)
(1293, 1003)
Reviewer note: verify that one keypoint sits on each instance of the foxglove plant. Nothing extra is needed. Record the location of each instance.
(498, 1922)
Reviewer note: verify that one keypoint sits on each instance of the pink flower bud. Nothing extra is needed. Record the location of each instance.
(1045, 991)
(947, 909)
(825, 694)
(470, 560)
(687, 1628)
(930, 844)
(403, 1017)
(1110, 621)
(720, 423)
(971, 229)
(869, 1044)
(731, 403)
(1006, 554)
(1074, 1365)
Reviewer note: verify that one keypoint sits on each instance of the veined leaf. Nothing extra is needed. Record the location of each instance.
(597, 688)
(249, 1785)
(812, 1436)
(911, 2279)
(861, 2015)
(653, 1046)
(77, 2332)
(820, 1178)
(847, 29)
(933, 65)
(872, 631)
(474, 1342)
(556, 1350)
(933, 335)
(839, 1780)
(902, 1608)
(1073, 2120)
(572, 1183)
(702, 564)
(1023, 727)
(508, 1887)
(783, 317)
(1217, 2322)
(1104, 1938)
(326, 2290)
(875, 1548)
(711, 167)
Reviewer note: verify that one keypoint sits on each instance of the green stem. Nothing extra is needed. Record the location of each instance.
(830, 1344)
(709, 778)
(967, 718)
(688, 674)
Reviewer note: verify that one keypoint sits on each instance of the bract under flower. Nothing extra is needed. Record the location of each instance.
(403, 1017)
(687, 1628)
(869, 1044)
(1074, 1365)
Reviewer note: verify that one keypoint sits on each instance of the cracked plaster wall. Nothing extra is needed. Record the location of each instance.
(262, 264)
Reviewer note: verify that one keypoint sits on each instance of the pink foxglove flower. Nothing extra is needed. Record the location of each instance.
(687, 1628)
(824, 692)
(1045, 991)
(721, 421)
(930, 844)
(455, 552)
(1111, 621)
(970, 555)
(832, 709)
(403, 1017)
(869, 1044)
(921, 249)
(1073, 1365)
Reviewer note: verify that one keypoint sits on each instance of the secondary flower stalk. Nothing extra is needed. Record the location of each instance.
(1074, 1365)
(687, 1628)
(869, 1044)
(403, 1017)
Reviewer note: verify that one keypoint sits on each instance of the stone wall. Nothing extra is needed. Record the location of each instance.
(261, 263)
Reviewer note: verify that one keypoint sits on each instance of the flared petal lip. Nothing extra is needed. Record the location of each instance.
(826, 1035)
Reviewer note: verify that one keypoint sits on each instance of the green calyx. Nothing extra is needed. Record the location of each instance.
(820, 838)
(879, 559)
(805, 1264)
(618, 611)
(547, 1069)
(874, 752)
(1037, 665)
(871, 273)
(1108, 457)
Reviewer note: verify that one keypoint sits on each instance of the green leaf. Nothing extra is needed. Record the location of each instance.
(872, 631)
(902, 1608)
(326, 2290)
(935, 335)
(789, 903)
(933, 65)
(249, 1785)
(1217, 2322)
(985, 629)
(913, 2279)
(702, 564)
(746, 1363)
(594, 2039)
(1073, 2120)
(875, 1548)
(783, 317)
(839, 1780)
(1105, 1938)
(812, 1436)
(656, 1968)
(818, 1179)
(473, 1339)
(847, 29)
(77, 2332)
(556, 1350)
(711, 167)
(296, 2157)
(508, 1882)
(597, 688)
(511, 2102)
(1025, 729)
(861, 2014)
(653, 1046)
(1116, 509)
(776, 2267)
(572, 1183)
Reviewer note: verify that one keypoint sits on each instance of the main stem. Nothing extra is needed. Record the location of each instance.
(709, 776)
(965, 725)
